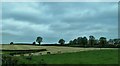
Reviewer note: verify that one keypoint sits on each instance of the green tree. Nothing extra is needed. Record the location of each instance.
(70, 42)
(91, 40)
(102, 41)
(79, 40)
(85, 41)
(39, 40)
(75, 41)
(61, 41)
(116, 41)
(96, 41)
(111, 41)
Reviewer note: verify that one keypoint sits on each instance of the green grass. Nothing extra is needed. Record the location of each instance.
(85, 57)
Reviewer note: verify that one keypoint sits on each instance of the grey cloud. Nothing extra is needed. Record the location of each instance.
(25, 13)
(53, 21)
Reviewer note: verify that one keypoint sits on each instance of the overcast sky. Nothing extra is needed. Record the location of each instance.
(23, 22)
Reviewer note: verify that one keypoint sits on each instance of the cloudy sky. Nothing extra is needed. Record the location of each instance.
(24, 21)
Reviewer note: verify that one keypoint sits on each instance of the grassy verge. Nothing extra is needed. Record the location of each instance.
(85, 57)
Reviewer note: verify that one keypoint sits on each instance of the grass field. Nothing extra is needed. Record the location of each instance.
(68, 55)
(84, 57)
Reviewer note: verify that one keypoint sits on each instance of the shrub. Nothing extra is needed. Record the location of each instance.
(29, 58)
(34, 43)
(8, 60)
(110, 46)
(11, 43)
(118, 45)
(42, 62)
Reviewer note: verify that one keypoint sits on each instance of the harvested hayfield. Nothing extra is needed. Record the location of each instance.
(51, 49)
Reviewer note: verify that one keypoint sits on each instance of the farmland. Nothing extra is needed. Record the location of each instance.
(85, 57)
(64, 54)
(51, 49)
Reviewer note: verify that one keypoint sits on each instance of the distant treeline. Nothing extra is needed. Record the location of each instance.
(80, 42)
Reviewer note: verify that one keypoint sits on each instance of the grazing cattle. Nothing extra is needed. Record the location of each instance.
(32, 54)
(40, 53)
(48, 53)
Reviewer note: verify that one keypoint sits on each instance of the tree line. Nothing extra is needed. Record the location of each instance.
(84, 41)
